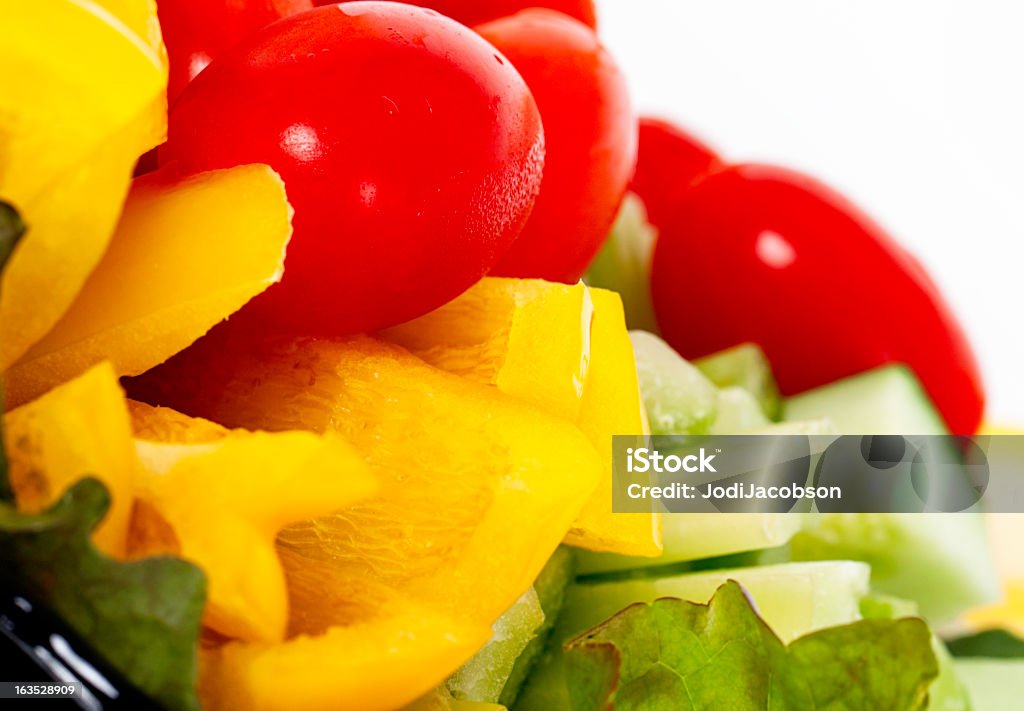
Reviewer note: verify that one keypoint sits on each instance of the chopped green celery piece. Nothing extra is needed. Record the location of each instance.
(624, 263)
(792, 598)
(678, 399)
(738, 412)
(992, 684)
(551, 585)
(747, 367)
(941, 561)
(483, 677)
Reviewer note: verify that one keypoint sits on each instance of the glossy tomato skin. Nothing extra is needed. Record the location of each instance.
(669, 160)
(411, 152)
(474, 12)
(590, 134)
(756, 253)
(196, 31)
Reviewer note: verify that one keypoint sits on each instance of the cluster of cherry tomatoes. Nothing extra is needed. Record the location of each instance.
(423, 148)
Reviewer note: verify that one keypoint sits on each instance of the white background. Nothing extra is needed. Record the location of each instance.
(913, 108)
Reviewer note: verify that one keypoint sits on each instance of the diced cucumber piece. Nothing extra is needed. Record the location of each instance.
(624, 263)
(992, 684)
(886, 400)
(679, 400)
(747, 367)
(941, 561)
(550, 586)
(793, 599)
(484, 676)
(738, 412)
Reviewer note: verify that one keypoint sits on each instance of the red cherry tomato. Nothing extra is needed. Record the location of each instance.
(411, 151)
(196, 31)
(473, 12)
(756, 253)
(590, 134)
(668, 162)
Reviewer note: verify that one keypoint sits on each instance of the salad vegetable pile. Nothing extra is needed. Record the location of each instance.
(317, 322)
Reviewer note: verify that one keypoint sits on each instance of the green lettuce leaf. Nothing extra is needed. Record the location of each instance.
(143, 617)
(674, 655)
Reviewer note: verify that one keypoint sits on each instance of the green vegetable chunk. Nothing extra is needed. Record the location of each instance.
(679, 400)
(886, 400)
(143, 617)
(993, 684)
(551, 586)
(941, 561)
(484, 676)
(677, 655)
(738, 412)
(744, 366)
(624, 263)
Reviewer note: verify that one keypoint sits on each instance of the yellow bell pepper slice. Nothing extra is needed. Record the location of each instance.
(140, 17)
(477, 488)
(563, 348)
(76, 430)
(83, 97)
(376, 665)
(162, 424)
(225, 501)
(187, 254)
(612, 405)
(528, 337)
